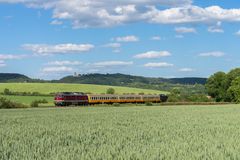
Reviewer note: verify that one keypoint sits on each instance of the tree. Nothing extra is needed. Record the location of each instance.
(110, 91)
(217, 86)
(232, 75)
(234, 90)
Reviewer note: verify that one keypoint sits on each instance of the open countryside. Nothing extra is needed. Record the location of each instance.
(119, 80)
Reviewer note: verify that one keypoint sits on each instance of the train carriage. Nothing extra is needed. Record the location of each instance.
(100, 99)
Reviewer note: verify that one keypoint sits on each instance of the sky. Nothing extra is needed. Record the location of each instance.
(155, 38)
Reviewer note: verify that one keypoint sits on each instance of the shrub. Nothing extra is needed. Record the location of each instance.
(6, 91)
(110, 91)
(4, 103)
(148, 103)
(37, 102)
(34, 104)
(116, 104)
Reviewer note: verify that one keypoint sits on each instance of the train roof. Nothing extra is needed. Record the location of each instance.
(71, 93)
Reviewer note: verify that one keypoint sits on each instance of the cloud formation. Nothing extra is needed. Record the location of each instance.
(45, 49)
(64, 63)
(112, 64)
(158, 65)
(212, 54)
(59, 69)
(130, 38)
(2, 63)
(185, 30)
(186, 70)
(152, 54)
(107, 13)
(11, 56)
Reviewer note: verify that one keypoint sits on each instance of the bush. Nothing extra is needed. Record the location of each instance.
(4, 103)
(34, 104)
(148, 103)
(116, 104)
(37, 102)
(6, 91)
(110, 91)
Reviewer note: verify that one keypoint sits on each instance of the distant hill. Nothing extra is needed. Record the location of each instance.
(122, 79)
(189, 85)
(13, 77)
(188, 80)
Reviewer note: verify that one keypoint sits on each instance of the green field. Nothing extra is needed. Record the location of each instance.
(47, 88)
(177, 132)
(27, 100)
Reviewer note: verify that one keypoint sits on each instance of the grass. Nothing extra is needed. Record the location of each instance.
(47, 88)
(176, 132)
(27, 100)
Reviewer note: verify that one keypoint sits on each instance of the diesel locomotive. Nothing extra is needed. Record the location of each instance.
(81, 99)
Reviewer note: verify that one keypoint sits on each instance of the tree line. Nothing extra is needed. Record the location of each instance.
(224, 87)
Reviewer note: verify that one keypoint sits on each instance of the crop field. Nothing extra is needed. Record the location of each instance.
(27, 100)
(176, 132)
(47, 88)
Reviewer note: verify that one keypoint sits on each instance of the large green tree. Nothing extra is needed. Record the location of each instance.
(217, 86)
(232, 75)
(234, 90)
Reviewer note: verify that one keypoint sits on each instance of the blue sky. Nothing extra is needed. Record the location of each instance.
(155, 38)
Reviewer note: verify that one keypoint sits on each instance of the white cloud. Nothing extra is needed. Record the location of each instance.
(153, 54)
(2, 63)
(107, 13)
(65, 63)
(44, 49)
(116, 50)
(11, 56)
(212, 54)
(216, 29)
(192, 14)
(158, 65)
(61, 69)
(112, 64)
(179, 36)
(185, 30)
(238, 33)
(186, 70)
(156, 38)
(113, 45)
(130, 38)
(56, 22)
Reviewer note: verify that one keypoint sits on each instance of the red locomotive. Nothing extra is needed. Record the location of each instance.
(70, 98)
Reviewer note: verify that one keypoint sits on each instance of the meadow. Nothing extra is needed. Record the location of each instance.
(153, 132)
(27, 100)
(47, 88)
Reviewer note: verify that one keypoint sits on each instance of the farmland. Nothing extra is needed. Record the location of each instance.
(27, 100)
(47, 88)
(186, 132)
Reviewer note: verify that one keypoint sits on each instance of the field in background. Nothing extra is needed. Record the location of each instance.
(27, 100)
(186, 132)
(47, 88)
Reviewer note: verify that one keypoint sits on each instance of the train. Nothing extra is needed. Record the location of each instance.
(82, 99)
